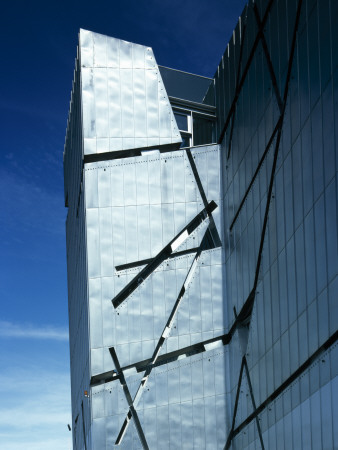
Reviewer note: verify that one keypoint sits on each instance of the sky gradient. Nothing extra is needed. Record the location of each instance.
(38, 48)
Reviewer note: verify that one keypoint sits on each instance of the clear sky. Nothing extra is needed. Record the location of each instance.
(38, 46)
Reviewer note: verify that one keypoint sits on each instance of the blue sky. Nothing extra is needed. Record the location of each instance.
(38, 47)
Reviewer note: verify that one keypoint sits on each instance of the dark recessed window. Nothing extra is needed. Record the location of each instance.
(182, 121)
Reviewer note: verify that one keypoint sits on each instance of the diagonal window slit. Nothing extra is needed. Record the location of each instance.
(237, 84)
(244, 74)
(254, 415)
(83, 427)
(182, 353)
(164, 335)
(268, 59)
(292, 378)
(142, 262)
(121, 154)
(214, 233)
(277, 127)
(163, 255)
(244, 365)
(132, 411)
(242, 319)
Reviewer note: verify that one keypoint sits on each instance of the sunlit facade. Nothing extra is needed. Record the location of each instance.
(202, 240)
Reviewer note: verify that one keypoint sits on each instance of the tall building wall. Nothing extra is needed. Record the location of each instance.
(276, 97)
(144, 260)
(177, 302)
(77, 273)
(202, 281)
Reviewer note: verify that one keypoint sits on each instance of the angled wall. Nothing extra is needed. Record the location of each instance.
(125, 104)
(152, 236)
(276, 97)
(143, 230)
(203, 281)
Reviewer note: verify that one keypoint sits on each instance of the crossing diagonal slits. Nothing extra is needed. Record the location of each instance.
(165, 333)
(251, 298)
(268, 58)
(163, 254)
(243, 370)
(212, 226)
(244, 74)
(132, 411)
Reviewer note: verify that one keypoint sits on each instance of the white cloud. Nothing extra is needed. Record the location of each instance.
(27, 331)
(35, 409)
(29, 443)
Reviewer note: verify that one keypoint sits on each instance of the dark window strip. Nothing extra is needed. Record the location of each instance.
(253, 401)
(279, 122)
(267, 209)
(245, 72)
(83, 427)
(167, 358)
(230, 435)
(306, 365)
(105, 377)
(268, 59)
(160, 342)
(244, 365)
(162, 256)
(185, 352)
(197, 177)
(279, 133)
(256, 173)
(242, 319)
(213, 229)
(231, 131)
(209, 246)
(278, 128)
(142, 262)
(132, 410)
(233, 433)
(237, 82)
(121, 154)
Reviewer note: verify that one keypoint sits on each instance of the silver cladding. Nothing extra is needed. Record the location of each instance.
(127, 210)
(150, 200)
(294, 315)
(125, 104)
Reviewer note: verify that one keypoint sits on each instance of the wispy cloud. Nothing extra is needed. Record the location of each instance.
(29, 331)
(35, 408)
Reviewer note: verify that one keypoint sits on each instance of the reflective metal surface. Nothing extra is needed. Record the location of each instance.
(164, 308)
(202, 282)
(125, 104)
(279, 204)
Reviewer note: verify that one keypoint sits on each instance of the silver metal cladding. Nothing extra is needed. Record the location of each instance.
(125, 104)
(174, 221)
(202, 281)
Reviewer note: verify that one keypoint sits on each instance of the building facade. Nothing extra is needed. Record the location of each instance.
(202, 240)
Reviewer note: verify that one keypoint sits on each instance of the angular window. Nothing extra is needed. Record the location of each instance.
(196, 127)
(203, 129)
(182, 121)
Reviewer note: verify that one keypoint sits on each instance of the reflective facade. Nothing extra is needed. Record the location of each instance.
(276, 97)
(202, 271)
